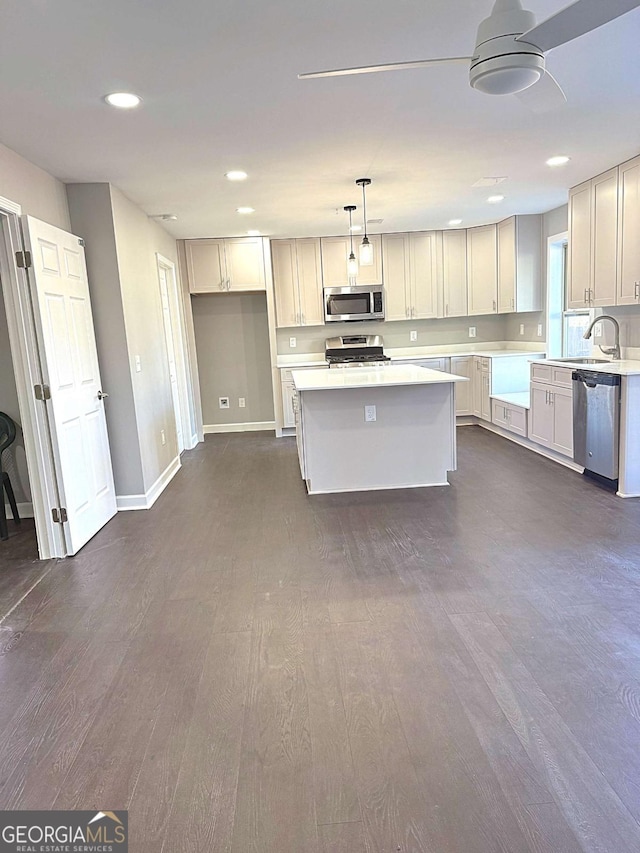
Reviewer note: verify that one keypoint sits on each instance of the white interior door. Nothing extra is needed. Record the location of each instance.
(171, 353)
(69, 357)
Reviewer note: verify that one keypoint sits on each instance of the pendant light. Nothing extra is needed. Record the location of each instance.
(352, 261)
(366, 249)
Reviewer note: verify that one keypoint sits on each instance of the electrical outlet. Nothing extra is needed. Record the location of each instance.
(597, 330)
(223, 402)
(472, 331)
(293, 343)
(163, 437)
(138, 364)
(539, 330)
(369, 414)
(241, 402)
(522, 328)
(413, 336)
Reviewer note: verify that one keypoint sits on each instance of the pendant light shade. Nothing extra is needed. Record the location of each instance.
(352, 261)
(366, 249)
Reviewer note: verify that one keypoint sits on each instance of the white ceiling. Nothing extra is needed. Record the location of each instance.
(220, 92)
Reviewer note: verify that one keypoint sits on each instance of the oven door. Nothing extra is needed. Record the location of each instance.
(345, 304)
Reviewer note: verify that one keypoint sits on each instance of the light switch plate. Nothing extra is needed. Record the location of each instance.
(539, 330)
(413, 336)
(138, 364)
(241, 402)
(293, 343)
(472, 331)
(369, 414)
(522, 328)
(597, 330)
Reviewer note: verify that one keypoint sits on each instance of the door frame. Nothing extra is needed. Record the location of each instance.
(27, 368)
(181, 352)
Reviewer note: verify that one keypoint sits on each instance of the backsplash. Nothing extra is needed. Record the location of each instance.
(441, 332)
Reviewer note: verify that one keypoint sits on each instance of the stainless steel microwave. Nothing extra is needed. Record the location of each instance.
(360, 302)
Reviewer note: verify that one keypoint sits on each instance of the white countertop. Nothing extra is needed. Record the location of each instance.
(290, 362)
(516, 398)
(365, 377)
(625, 367)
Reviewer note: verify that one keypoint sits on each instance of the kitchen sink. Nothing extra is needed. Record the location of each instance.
(584, 360)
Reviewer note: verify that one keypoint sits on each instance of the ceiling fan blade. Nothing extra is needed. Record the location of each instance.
(577, 19)
(544, 96)
(391, 66)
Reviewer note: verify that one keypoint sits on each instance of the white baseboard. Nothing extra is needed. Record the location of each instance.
(531, 445)
(251, 426)
(25, 510)
(147, 500)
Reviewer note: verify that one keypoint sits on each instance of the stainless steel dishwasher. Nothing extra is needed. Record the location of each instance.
(596, 422)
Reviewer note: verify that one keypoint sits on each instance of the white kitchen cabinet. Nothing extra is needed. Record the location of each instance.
(410, 275)
(297, 282)
(223, 265)
(482, 270)
(520, 264)
(579, 249)
(463, 366)
(288, 412)
(454, 274)
(335, 253)
(510, 417)
(551, 418)
(431, 363)
(481, 382)
(604, 238)
(628, 284)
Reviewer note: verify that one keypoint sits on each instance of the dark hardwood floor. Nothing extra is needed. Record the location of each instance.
(246, 669)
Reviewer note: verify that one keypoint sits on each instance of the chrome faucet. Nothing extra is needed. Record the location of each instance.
(613, 351)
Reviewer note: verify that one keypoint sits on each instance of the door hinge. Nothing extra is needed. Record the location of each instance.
(23, 260)
(42, 392)
(59, 515)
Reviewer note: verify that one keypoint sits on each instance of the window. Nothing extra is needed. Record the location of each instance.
(564, 328)
(575, 325)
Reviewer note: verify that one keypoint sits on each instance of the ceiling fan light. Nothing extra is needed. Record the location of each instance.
(506, 81)
(366, 253)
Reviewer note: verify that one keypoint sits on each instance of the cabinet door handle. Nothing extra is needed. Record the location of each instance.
(221, 284)
(586, 296)
(446, 307)
(637, 290)
(228, 284)
(552, 397)
(494, 305)
(303, 320)
(513, 303)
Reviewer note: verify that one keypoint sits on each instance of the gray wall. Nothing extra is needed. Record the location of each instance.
(232, 343)
(121, 246)
(92, 219)
(450, 330)
(40, 194)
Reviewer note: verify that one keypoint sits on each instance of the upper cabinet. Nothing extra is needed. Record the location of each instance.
(454, 273)
(482, 270)
(519, 264)
(297, 281)
(628, 290)
(410, 275)
(335, 253)
(222, 265)
(604, 216)
(579, 249)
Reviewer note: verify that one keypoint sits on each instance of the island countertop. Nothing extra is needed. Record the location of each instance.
(366, 377)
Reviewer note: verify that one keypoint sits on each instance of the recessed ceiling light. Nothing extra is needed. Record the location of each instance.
(560, 160)
(245, 210)
(236, 175)
(123, 100)
(253, 233)
(455, 222)
(495, 199)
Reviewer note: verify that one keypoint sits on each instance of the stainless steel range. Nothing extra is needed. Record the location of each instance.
(355, 351)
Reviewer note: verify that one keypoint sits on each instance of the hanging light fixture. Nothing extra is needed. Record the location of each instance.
(352, 261)
(366, 249)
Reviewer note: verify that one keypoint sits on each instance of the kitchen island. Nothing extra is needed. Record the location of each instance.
(360, 429)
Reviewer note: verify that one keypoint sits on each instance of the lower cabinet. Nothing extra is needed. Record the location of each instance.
(462, 365)
(481, 382)
(551, 423)
(289, 396)
(510, 417)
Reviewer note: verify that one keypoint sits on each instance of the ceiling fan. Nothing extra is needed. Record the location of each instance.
(508, 58)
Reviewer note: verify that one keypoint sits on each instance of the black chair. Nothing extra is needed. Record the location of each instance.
(7, 437)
